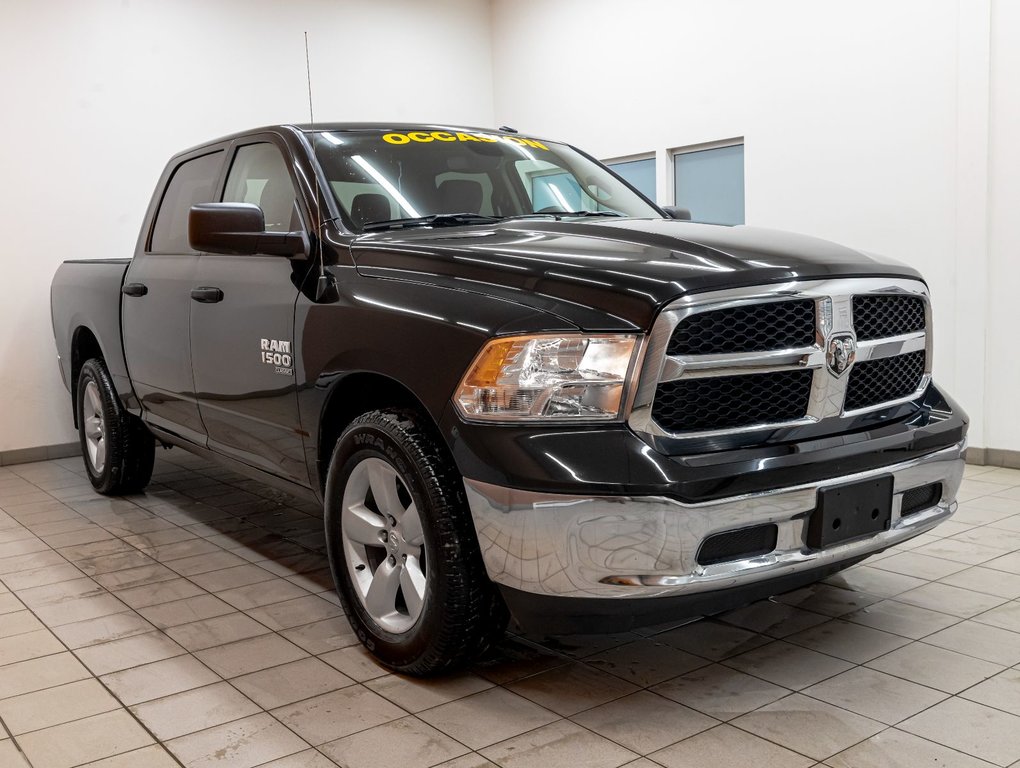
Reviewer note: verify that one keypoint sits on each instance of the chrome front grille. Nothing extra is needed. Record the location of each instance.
(878, 317)
(722, 402)
(746, 328)
(874, 382)
(790, 355)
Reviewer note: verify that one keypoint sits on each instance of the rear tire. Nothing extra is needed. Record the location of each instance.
(117, 448)
(403, 550)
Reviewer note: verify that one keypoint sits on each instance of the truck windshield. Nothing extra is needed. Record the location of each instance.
(384, 180)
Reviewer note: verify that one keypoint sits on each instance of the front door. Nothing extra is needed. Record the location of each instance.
(242, 329)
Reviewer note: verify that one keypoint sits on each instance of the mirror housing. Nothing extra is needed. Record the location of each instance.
(674, 212)
(239, 229)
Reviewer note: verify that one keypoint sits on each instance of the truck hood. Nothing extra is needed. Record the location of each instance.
(607, 274)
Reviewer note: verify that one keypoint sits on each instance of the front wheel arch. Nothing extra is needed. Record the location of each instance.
(358, 393)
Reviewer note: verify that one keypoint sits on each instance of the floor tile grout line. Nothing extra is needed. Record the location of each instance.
(191, 653)
(801, 691)
(583, 659)
(187, 652)
(15, 742)
(111, 693)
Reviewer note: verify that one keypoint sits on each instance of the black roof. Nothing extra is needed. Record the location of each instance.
(390, 127)
(340, 127)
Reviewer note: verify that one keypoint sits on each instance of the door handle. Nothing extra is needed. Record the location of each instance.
(134, 289)
(207, 295)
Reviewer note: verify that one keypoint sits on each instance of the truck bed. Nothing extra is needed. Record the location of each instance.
(85, 294)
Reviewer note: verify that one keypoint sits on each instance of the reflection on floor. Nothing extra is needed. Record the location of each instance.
(196, 625)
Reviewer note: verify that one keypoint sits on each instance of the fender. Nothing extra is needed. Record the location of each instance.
(423, 343)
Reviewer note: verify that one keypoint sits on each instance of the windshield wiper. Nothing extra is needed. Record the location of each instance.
(435, 220)
(559, 214)
(457, 219)
(587, 213)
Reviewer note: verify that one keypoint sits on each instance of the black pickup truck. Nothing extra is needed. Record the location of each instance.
(516, 385)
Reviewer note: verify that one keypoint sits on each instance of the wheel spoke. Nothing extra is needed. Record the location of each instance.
(381, 597)
(362, 525)
(93, 427)
(383, 480)
(412, 581)
(94, 400)
(410, 526)
(100, 460)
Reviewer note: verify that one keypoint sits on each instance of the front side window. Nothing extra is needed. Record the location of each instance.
(192, 182)
(259, 176)
(380, 179)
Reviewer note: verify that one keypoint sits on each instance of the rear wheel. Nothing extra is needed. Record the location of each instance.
(117, 448)
(402, 548)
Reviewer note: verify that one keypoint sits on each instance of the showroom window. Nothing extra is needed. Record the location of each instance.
(192, 183)
(710, 183)
(640, 174)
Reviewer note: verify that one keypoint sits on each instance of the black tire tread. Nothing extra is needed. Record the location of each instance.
(474, 615)
(131, 448)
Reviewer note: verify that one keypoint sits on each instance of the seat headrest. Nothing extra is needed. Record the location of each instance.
(460, 196)
(277, 204)
(369, 206)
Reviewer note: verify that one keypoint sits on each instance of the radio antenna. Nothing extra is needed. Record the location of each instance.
(308, 69)
(325, 281)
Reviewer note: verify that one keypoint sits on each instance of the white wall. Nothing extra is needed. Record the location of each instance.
(866, 123)
(95, 97)
(888, 125)
(1003, 381)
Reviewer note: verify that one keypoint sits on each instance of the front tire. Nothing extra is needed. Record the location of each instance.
(402, 548)
(117, 448)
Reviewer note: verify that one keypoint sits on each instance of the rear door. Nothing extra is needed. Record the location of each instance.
(156, 305)
(242, 332)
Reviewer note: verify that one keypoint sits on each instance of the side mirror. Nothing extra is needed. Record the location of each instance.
(682, 214)
(239, 229)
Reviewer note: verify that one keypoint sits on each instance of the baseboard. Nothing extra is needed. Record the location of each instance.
(42, 453)
(994, 457)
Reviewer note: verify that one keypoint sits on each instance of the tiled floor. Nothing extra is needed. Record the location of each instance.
(196, 625)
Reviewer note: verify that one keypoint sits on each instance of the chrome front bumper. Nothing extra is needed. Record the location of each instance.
(637, 547)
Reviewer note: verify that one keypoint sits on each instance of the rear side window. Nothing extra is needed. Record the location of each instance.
(193, 182)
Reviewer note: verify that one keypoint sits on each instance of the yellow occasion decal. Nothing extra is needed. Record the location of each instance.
(423, 137)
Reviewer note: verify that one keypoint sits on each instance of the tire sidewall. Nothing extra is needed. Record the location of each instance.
(364, 440)
(91, 371)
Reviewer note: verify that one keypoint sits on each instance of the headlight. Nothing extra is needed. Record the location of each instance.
(549, 377)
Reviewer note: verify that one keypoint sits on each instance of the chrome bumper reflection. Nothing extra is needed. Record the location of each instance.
(625, 547)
